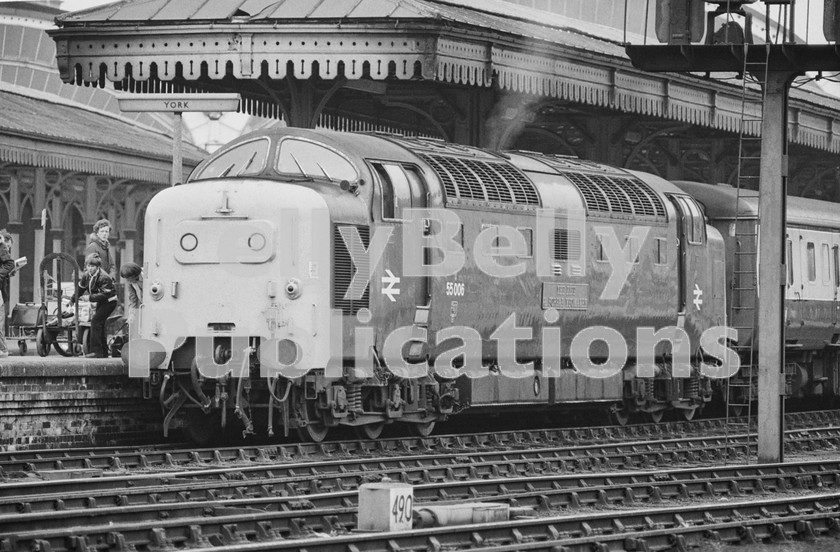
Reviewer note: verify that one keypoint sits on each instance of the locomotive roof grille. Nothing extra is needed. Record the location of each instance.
(617, 194)
(491, 181)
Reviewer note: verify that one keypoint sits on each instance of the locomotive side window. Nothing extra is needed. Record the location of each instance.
(812, 262)
(528, 234)
(661, 251)
(304, 158)
(242, 160)
(633, 251)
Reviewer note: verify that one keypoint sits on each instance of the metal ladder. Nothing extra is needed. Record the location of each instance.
(744, 297)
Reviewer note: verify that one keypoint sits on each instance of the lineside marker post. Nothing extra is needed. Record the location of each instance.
(385, 506)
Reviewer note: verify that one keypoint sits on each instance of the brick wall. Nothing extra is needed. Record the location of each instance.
(73, 402)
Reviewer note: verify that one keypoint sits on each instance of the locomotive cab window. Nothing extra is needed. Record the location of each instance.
(245, 159)
(308, 159)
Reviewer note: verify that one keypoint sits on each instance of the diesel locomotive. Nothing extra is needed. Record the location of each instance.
(309, 279)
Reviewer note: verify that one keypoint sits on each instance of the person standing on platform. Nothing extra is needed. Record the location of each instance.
(98, 243)
(99, 287)
(7, 267)
(133, 275)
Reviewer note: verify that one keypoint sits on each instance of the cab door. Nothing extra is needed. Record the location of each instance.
(404, 298)
(694, 271)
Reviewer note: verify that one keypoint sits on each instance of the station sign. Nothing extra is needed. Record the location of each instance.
(180, 103)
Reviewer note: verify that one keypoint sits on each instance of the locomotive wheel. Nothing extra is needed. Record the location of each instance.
(688, 413)
(370, 431)
(42, 346)
(621, 417)
(314, 431)
(422, 430)
(656, 416)
(202, 429)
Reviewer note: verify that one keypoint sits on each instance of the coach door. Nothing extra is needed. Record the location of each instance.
(405, 295)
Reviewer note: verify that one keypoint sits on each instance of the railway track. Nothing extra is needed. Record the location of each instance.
(90, 462)
(279, 519)
(307, 476)
(298, 496)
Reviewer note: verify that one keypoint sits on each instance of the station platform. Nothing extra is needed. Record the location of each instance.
(72, 401)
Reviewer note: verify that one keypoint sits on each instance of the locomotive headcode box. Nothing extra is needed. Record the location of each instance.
(385, 506)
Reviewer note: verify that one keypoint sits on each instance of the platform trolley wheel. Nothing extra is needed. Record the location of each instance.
(78, 350)
(85, 341)
(42, 345)
(422, 430)
(62, 350)
(370, 431)
(22, 347)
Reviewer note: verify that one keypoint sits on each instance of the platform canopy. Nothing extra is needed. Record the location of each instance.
(318, 61)
(248, 46)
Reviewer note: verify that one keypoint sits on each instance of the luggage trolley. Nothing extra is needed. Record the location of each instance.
(24, 324)
(61, 325)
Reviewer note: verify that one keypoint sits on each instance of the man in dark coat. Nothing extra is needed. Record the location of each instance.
(100, 288)
(98, 243)
(7, 267)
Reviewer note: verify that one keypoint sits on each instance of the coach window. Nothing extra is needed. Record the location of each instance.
(826, 264)
(304, 158)
(790, 262)
(241, 160)
(812, 262)
(835, 258)
(396, 190)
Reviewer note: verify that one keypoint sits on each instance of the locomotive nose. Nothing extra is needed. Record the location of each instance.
(252, 271)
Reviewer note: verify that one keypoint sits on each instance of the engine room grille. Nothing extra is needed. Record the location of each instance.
(490, 181)
(566, 245)
(344, 269)
(617, 194)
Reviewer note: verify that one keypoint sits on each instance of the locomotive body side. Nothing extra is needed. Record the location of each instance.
(290, 277)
